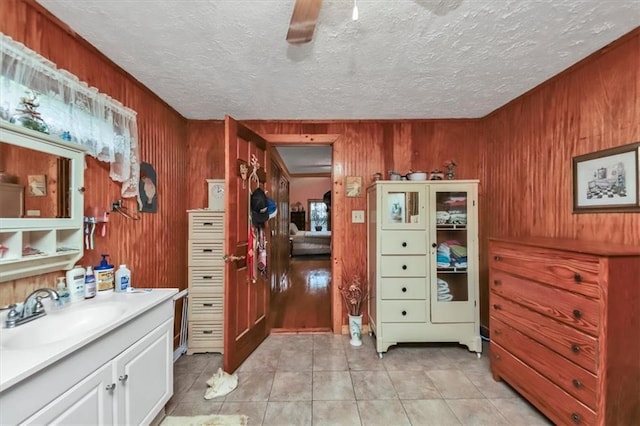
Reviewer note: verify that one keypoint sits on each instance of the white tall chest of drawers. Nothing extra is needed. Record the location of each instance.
(422, 244)
(206, 281)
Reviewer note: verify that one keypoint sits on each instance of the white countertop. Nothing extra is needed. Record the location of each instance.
(19, 361)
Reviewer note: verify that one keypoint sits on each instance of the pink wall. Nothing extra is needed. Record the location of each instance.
(305, 188)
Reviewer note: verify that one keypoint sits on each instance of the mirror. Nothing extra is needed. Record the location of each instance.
(33, 184)
(403, 207)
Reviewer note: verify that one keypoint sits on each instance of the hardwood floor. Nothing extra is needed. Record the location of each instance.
(302, 300)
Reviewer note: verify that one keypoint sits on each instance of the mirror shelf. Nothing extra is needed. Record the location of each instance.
(37, 245)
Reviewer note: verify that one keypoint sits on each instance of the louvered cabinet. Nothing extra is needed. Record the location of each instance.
(565, 327)
(422, 263)
(206, 281)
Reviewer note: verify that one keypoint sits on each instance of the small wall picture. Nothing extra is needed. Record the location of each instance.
(353, 185)
(148, 189)
(37, 185)
(607, 180)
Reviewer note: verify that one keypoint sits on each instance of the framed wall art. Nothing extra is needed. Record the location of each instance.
(607, 180)
(353, 186)
(37, 185)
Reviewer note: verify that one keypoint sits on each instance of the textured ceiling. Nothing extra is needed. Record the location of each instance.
(401, 59)
(307, 159)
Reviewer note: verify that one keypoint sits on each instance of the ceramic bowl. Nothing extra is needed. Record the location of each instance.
(417, 176)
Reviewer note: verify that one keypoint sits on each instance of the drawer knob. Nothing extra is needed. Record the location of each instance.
(577, 278)
(575, 417)
(207, 304)
(497, 258)
(207, 223)
(404, 289)
(434, 245)
(207, 250)
(497, 282)
(577, 314)
(110, 387)
(207, 331)
(207, 277)
(496, 306)
(404, 267)
(123, 378)
(576, 383)
(404, 244)
(575, 348)
(404, 313)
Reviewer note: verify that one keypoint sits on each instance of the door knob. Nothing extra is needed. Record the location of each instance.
(233, 258)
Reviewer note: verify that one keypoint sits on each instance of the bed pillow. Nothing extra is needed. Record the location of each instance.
(293, 229)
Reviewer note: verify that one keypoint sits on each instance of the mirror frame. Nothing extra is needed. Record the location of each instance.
(36, 265)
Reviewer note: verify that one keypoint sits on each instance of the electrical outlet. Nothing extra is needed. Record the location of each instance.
(357, 216)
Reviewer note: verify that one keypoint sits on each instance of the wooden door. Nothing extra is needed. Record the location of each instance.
(246, 300)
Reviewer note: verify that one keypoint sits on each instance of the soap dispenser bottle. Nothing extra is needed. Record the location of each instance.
(104, 274)
(62, 290)
(89, 283)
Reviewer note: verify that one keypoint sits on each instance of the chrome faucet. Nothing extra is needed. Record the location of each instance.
(32, 308)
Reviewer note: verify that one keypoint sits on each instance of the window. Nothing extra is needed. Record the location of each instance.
(318, 215)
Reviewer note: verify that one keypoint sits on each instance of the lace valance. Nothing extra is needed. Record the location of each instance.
(71, 110)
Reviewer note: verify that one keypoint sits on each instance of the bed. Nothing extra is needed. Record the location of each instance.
(309, 242)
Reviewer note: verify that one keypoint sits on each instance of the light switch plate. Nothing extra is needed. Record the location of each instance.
(357, 216)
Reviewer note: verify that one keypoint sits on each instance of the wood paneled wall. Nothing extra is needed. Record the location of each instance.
(529, 143)
(154, 247)
(521, 153)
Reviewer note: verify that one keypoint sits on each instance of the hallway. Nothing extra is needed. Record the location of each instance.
(302, 300)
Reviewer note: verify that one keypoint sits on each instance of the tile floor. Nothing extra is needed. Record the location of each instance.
(320, 379)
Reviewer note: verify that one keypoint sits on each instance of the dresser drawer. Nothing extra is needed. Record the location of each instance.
(564, 373)
(403, 310)
(206, 253)
(206, 279)
(206, 226)
(569, 271)
(403, 288)
(403, 266)
(570, 308)
(206, 335)
(554, 402)
(206, 307)
(403, 242)
(573, 344)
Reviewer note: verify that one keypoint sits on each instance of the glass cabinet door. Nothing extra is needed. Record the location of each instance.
(453, 242)
(403, 206)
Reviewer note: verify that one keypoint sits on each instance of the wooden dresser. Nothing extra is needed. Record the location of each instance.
(206, 281)
(565, 327)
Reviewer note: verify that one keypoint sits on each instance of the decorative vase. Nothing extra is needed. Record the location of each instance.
(355, 329)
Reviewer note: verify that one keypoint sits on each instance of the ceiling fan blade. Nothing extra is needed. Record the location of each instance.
(303, 21)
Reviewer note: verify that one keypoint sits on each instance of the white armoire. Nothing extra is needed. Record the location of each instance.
(422, 245)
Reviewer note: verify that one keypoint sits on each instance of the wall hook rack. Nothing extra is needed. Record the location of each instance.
(117, 206)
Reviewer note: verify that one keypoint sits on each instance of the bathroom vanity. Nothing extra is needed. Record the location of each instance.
(107, 360)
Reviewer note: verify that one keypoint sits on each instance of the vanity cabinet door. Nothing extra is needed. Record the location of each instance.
(144, 377)
(89, 402)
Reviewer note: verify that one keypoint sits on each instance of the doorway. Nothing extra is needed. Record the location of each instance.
(301, 294)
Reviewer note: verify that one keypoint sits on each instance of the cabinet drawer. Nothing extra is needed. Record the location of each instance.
(206, 308)
(570, 308)
(554, 402)
(573, 344)
(206, 253)
(203, 334)
(206, 279)
(206, 226)
(569, 271)
(403, 266)
(403, 288)
(564, 373)
(403, 242)
(403, 311)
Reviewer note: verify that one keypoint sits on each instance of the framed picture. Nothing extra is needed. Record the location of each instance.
(607, 180)
(353, 186)
(37, 185)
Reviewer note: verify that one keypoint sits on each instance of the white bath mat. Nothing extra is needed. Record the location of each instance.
(220, 384)
(208, 420)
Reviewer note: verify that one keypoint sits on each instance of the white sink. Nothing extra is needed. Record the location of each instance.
(59, 325)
